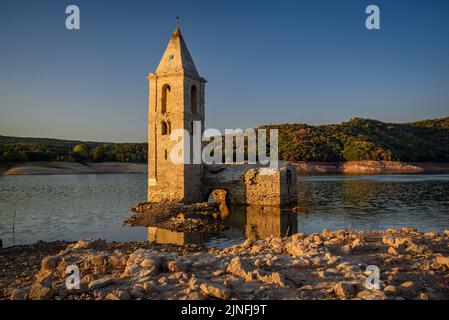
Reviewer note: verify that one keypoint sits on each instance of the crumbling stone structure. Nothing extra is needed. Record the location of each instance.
(176, 100)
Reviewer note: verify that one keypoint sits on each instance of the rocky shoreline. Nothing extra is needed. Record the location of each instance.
(330, 265)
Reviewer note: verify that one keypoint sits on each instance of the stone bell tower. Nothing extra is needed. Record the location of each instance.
(176, 100)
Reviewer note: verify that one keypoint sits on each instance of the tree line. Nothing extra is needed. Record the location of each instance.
(34, 149)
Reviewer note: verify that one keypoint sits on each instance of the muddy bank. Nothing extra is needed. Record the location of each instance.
(370, 167)
(330, 265)
(47, 168)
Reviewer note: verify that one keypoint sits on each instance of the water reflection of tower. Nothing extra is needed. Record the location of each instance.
(262, 222)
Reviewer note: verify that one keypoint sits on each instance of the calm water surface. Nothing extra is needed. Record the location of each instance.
(70, 207)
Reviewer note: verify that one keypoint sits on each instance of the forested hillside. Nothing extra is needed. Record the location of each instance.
(363, 139)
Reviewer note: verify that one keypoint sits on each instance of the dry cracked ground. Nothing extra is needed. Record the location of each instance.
(330, 265)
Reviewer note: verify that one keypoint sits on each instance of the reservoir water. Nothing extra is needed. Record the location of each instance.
(70, 207)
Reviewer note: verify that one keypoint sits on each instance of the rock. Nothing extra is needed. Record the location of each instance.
(432, 235)
(371, 295)
(194, 283)
(112, 296)
(415, 249)
(215, 290)
(148, 286)
(247, 243)
(443, 261)
(175, 266)
(100, 283)
(446, 232)
(240, 268)
(407, 289)
(388, 240)
(137, 293)
(43, 277)
(123, 295)
(347, 249)
(90, 244)
(339, 234)
(423, 296)
(270, 277)
(152, 263)
(325, 233)
(295, 248)
(357, 243)
(19, 294)
(392, 251)
(317, 238)
(408, 229)
(50, 262)
(345, 289)
(297, 237)
(391, 290)
(332, 272)
(398, 242)
(40, 292)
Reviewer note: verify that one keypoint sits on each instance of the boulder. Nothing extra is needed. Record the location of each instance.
(40, 292)
(89, 244)
(215, 290)
(240, 268)
(443, 261)
(50, 262)
(295, 248)
(100, 283)
(371, 295)
(345, 289)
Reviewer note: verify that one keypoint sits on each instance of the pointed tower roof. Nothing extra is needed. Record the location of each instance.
(177, 58)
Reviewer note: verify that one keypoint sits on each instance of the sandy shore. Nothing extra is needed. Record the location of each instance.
(330, 265)
(47, 168)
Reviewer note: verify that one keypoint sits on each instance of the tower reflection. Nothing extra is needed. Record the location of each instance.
(253, 222)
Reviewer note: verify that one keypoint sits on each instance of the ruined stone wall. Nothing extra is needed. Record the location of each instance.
(253, 185)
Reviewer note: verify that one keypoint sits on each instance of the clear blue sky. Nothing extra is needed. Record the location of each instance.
(265, 61)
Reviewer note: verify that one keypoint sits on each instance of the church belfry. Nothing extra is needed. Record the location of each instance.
(176, 100)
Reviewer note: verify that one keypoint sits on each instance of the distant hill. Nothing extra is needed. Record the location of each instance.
(364, 139)
(354, 140)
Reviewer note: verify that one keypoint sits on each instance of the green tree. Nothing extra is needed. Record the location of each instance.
(81, 152)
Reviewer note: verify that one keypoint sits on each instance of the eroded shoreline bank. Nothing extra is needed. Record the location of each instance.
(52, 168)
(330, 265)
(350, 167)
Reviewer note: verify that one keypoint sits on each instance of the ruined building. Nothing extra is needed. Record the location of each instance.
(176, 100)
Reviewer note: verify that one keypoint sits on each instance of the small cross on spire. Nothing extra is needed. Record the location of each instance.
(177, 22)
